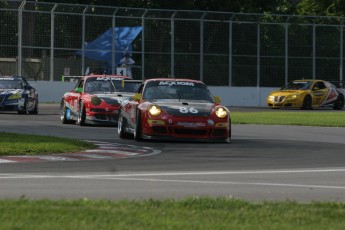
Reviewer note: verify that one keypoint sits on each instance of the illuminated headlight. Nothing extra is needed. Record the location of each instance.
(154, 110)
(294, 96)
(15, 96)
(221, 112)
(95, 101)
(271, 98)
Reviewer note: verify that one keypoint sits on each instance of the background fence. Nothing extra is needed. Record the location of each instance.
(40, 40)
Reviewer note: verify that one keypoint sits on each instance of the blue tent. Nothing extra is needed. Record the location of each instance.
(101, 48)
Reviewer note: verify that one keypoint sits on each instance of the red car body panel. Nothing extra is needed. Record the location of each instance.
(100, 106)
(180, 119)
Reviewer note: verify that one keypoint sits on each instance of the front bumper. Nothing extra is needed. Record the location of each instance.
(102, 118)
(284, 102)
(15, 105)
(198, 130)
(9, 108)
(280, 105)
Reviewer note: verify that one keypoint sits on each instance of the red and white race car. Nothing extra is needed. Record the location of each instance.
(96, 99)
(174, 109)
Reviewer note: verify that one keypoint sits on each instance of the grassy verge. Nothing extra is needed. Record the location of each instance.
(330, 119)
(21, 144)
(193, 213)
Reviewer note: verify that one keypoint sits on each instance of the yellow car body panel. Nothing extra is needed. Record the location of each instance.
(311, 94)
(291, 98)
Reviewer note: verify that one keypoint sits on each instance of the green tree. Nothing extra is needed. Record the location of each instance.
(244, 6)
(321, 7)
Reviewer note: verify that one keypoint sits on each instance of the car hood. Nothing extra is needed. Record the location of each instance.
(286, 92)
(183, 108)
(115, 96)
(10, 91)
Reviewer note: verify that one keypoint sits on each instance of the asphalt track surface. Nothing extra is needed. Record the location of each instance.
(261, 163)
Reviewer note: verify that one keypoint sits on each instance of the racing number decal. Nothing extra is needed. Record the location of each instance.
(318, 97)
(186, 110)
(318, 100)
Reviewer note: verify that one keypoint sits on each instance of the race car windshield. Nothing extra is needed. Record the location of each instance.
(104, 85)
(93, 85)
(298, 85)
(177, 90)
(11, 84)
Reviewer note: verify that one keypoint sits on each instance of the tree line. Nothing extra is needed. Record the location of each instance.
(294, 7)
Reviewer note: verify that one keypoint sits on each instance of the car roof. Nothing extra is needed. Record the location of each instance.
(174, 79)
(304, 80)
(106, 76)
(11, 77)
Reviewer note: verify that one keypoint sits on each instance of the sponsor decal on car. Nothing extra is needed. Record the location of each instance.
(109, 78)
(7, 78)
(191, 124)
(170, 83)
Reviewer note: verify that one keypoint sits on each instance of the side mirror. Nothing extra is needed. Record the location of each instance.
(136, 97)
(78, 90)
(217, 99)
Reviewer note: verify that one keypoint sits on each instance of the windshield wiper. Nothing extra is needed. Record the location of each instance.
(179, 95)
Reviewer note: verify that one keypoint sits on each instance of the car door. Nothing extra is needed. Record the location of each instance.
(73, 97)
(319, 92)
(31, 94)
(131, 107)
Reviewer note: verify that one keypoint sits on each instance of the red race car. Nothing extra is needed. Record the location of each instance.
(96, 99)
(174, 109)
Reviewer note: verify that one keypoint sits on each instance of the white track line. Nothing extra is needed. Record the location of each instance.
(131, 177)
(192, 173)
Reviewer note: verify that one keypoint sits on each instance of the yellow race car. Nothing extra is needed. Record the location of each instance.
(307, 94)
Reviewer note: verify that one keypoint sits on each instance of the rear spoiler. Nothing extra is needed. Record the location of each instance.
(71, 78)
(124, 81)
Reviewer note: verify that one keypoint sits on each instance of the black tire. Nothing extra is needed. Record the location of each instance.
(307, 102)
(339, 103)
(81, 114)
(35, 110)
(25, 111)
(63, 112)
(121, 127)
(230, 130)
(137, 129)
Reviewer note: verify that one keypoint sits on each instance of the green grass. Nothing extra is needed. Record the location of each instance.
(311, 118)
(192, 213)
(21, 144)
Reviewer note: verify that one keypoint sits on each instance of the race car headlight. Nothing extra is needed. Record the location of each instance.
(15, 96)
(271, 98)
(154, 110)
(221, 112)
(294, 96)
(95, 101)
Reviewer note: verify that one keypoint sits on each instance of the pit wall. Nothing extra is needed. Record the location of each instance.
(230, 96)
